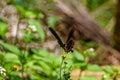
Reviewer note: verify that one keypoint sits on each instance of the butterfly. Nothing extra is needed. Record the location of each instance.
(69, 42)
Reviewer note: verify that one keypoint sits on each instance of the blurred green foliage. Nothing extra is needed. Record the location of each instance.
(94, 4)
(3, 29)
(41, 64)
(38, 27)
(110, 72)
(87, 77)
(28, 13)
(52, 20)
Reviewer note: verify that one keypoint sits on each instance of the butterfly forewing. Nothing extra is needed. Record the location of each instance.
(69, 42)
(57, 37)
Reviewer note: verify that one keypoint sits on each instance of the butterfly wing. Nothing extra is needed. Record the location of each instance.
(69, 42)
(70, 35)
(57, 37)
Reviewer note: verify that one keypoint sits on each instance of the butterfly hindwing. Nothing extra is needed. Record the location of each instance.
(69, 42)
(70, 35)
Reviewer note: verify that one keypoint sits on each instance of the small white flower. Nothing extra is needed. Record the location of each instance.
(2, 71)
(32, 27)
(91, 49)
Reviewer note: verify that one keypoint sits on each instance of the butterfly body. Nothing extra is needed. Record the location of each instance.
(69, 43)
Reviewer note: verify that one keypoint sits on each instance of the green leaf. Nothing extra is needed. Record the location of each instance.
(43, 53)
(52, 20)
(36, 67)
(39, 28)
(45, 67)
(36, 57)
(28, 36)
(11, 58)
(83, 65)
(108, 69)
(40, 15)
(30, 14)
(86, 77)
(10, 48)
(95, 68)
(88, 53)
(106, 76)
(1, 56)
(2, 59)
(50, 1)
(89, 44)
(22, 57)
(3, 29)
(43, 74)
(21, 10)
(30, 63)
(78, 56)
(57, 61)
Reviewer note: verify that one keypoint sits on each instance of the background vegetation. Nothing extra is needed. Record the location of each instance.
(28, 54)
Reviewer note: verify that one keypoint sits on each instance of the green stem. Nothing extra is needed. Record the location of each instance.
(22, 71)
(61, 68)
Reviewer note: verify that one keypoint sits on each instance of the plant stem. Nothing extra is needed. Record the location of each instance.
(22, 71)
(61, 68)
(16, 37)
(80, 73)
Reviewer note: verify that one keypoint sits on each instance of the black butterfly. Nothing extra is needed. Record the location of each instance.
(69, 42)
